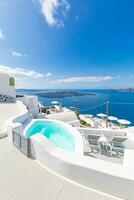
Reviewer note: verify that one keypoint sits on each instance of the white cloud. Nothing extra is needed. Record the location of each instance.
(130, 76)
(1, 35)
(14, 53)
(86, 79)
(118, 77)
(20, 73)
(48, 75)
(53, 10)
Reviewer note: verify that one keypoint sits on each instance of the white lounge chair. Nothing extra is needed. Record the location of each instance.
(117, 144)
(93, 141)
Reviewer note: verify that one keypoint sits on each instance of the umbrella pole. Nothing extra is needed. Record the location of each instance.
(60, 105)
(107, 112)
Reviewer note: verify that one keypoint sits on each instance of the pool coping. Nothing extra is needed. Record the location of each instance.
(75, 133)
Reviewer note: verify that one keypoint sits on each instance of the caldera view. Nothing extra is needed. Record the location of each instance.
(66, 100)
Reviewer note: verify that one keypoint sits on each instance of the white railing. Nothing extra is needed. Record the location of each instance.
(107, 133)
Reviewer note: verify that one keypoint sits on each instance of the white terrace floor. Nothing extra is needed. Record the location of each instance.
(22, 178)
(8, 110)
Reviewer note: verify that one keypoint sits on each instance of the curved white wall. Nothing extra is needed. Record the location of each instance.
(106, 177)
(65, 116)
(13, 122)
(75, 123)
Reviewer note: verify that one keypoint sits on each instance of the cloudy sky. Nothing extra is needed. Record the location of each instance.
(68, 44)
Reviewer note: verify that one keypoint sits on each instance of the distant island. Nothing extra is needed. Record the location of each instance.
(129, 90)
(62, 94)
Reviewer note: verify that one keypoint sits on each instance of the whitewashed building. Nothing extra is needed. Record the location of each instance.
(7, 88)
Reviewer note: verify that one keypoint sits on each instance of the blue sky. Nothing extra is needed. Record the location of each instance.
(68, 44)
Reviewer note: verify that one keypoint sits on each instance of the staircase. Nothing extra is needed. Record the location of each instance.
(6, 99)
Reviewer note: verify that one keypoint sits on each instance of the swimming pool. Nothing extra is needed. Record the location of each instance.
(58, 134)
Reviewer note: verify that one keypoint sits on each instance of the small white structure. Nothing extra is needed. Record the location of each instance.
(65, 115)
(31, 102)
(7, 85)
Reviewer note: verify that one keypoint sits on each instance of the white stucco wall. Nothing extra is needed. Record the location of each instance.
(17, 120)
(31, 102)
(108, 133)
(75, 123)
(66, 116)
(105, 177)
(5, 87)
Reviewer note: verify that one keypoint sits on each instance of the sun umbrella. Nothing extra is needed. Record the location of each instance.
(112, 118)
(89, 116)
(73, 107)
(55, 102)
(101, 115)
(124, 122)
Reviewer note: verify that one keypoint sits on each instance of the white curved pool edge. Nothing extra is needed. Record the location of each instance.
(110, 178)
(106, 167)
(76, 135)
(16, 120)
(99, 193)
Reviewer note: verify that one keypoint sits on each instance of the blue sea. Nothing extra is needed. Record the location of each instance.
(121, 104)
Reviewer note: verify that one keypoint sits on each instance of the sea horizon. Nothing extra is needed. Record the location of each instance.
(121, 104)
(17, 89)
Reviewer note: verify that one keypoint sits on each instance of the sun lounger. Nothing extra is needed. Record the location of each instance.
(117, 143)
(93, 141)
(115, 146)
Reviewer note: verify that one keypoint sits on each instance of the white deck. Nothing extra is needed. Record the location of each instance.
(8, 110)
(24, 179)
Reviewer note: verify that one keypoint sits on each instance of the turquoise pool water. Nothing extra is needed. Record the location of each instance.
(56, 133)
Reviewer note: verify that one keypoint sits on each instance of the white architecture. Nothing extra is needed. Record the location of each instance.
(7, 85)
(31, 102)
(97, 169)
(65, 115)
(9, 112)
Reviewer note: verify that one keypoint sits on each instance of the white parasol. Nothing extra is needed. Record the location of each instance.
(124, 122)
(101, 115)
(55, 102)
(112, 118)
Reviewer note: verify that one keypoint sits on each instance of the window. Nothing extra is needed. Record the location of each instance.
(11, 81)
